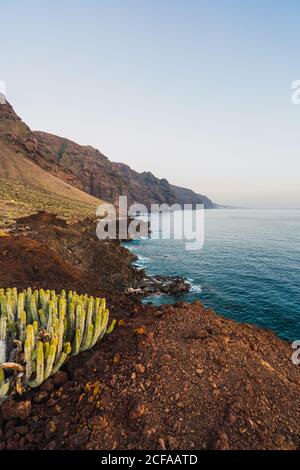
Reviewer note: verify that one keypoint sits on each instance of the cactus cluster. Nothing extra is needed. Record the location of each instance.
(40, 329)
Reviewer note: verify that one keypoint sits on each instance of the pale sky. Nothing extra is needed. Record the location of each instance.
(198, 92)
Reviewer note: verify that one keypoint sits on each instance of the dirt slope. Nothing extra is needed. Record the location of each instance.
(24, 186)
(15, 166)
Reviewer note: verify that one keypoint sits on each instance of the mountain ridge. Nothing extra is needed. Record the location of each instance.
(88, 170)
(94, 173)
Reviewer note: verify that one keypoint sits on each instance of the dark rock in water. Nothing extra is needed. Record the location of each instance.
(170, 285)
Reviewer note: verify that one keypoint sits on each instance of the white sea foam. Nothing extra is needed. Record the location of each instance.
(196, 289)
(141, 261)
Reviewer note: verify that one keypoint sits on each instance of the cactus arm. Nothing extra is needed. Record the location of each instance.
(30, 336)
(76, 342)
(42, 317)
(39, 366)
(50, 320)
(3, 334)
(51, 358)
(103, 324)
(28, 355)
(4, 384)
(80, 319)
(3, 327)
(63, 357)
(33, 309)
(2, 378)
(88, 322)
(35, 325)
(89, 337)
(2, 351)
(9, 311)
(22, 326)
(46, 350)
(97, 327)
(60, 335)
(71, 320)
(21, 304)
(111, 328)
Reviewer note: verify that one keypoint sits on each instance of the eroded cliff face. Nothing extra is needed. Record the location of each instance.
(93, 172)
(26, 184)
(87, 169)
(14, 132)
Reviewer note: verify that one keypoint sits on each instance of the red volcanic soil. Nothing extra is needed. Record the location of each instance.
(174, 377)
(27, 262)
(44, 251)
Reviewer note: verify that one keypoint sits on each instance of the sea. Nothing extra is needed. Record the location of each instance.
(248, 268)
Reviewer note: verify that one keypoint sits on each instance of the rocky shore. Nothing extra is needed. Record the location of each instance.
(174, 377)
(156, 285)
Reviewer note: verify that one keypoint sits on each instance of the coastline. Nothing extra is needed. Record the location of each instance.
(247, 270)
(172, 377)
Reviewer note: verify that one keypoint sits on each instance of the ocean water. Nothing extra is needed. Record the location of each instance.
(247, 270)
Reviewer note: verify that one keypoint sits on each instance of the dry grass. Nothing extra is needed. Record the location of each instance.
(18, 200)
(26, 188)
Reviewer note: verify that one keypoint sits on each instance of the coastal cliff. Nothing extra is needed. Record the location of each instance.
(86, 168)
(89, 170)
(174, 377)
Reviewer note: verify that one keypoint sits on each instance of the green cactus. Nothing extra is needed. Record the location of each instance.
(4, 384)
(39, 379)
(3, 327)
(111, 327)
(48, 327)
(76, 342)
(63, 357)
(21, 304)
(22, 326)
(50, 358)
(3, 333)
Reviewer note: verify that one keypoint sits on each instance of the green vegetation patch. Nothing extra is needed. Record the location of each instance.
(40, 329)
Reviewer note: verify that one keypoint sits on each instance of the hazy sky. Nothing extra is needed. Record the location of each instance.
(198, 92)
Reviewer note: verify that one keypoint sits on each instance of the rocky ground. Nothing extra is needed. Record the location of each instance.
(174, 377)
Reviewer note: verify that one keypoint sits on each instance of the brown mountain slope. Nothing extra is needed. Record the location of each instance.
(89, 170)
(24, 185)
(15, 166)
